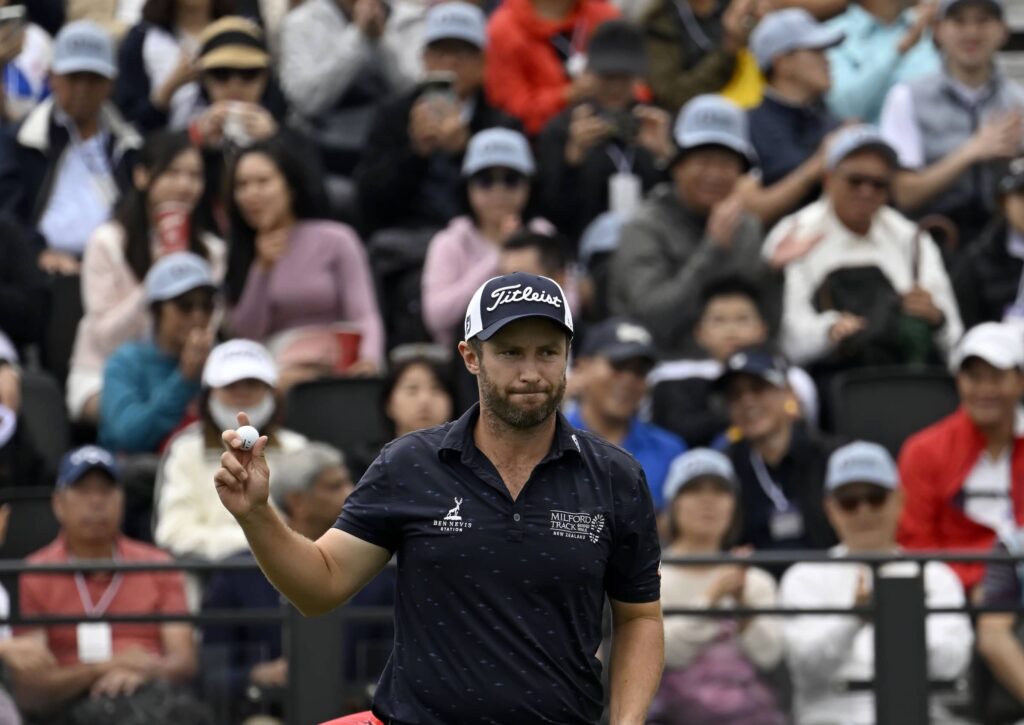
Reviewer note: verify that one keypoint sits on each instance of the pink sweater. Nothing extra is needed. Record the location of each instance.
(459, 259)
(324, 277)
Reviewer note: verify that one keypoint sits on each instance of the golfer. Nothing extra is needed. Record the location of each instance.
(510, 528)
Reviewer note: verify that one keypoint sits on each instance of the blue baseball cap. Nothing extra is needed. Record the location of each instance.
(948, 6)
(785, 31)
(619, 340)
(80, 461)
(510, 297)
(175, 274)
(714, 120)
(759, 362)
(498, 147)
(84, 47)
(861, 137)
(455, 21)
(861, 462)
(698, 463)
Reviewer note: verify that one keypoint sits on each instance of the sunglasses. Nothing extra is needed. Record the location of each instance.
(874, 183)
(223, 75)
(491, 177)
(850, 502)
(188, 305)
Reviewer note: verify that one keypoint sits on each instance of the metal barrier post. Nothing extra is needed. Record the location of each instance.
(315, 677)
(901, 654)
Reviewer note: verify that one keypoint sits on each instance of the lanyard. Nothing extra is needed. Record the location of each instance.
(768, 485)
(623, 160)
(692, 27)
(569, 48)
(100, 607)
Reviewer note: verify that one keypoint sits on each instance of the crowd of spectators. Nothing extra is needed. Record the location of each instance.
(744, 201)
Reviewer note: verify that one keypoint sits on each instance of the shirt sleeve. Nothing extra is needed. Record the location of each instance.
(1001, 585)
(634, 568)
(369, 512)
(899, 127)
(171, 585)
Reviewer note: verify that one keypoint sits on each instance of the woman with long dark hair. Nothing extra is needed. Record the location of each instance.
(158, 216)
(156, 83)
(290, 268)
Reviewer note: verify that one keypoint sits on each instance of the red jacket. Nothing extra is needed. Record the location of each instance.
(524, 75)
(934, 465)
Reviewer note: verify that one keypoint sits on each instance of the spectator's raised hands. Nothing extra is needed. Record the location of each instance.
(12, 40)
(1000, 138)
(738, 21)
(792, 247)
(424, 126)
(270, 247)
(243, 479)
(729, 582)
(586, 129)
(193, 355)
(184, 73)
(926, 13)
(655, 133)
(53, 262)
(725, 219)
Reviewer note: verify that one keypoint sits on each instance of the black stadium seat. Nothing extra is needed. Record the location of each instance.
(889, 404)
(44, 415)
(344, 412)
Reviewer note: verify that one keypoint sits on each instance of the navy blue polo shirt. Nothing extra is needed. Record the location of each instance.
(499, 602)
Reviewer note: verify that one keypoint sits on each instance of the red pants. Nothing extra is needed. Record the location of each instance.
(359, 718)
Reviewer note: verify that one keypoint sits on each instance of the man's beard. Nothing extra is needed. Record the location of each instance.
(513, 415)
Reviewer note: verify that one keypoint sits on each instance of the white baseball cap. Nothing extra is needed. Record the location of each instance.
(997, 343)
(236, 360)
(699, 463)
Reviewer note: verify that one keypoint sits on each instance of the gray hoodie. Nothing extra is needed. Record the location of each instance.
(664, 258)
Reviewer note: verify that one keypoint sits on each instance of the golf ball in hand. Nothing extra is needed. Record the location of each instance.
(249, 436)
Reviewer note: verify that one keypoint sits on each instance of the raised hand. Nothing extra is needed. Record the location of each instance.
(243, 479)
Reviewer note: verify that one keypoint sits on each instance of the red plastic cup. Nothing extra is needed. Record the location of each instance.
(173, 227)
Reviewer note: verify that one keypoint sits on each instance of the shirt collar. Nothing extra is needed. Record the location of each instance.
(459, 438)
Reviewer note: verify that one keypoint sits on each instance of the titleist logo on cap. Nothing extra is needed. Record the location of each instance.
(518, 293)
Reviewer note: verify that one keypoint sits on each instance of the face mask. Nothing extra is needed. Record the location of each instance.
(225, 417)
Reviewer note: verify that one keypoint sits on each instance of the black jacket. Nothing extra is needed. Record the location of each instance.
(987, 277)
(573, 196)
(22, 287)
(392, 179)
(29, 156)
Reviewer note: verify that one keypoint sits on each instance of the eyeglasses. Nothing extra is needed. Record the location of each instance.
(874, 183)
(850, 502)
(223, 75)
(188, 305)
(490, 177)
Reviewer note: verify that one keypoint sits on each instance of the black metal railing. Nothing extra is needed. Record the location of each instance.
(317, 682)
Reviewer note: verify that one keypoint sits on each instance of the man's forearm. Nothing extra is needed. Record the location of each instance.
(914, 189)
(45, 690)
(638, 655)
(294, 565)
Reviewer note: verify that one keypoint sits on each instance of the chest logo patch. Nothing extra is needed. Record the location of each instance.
(581, 526)
(453, 523)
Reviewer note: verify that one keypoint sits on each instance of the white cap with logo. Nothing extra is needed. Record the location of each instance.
(997, 343)
(237, 360)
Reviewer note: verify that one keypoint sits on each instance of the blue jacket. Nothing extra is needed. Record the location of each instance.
(144, 398)
(867, 64)
(653, 447)
(786, 135)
